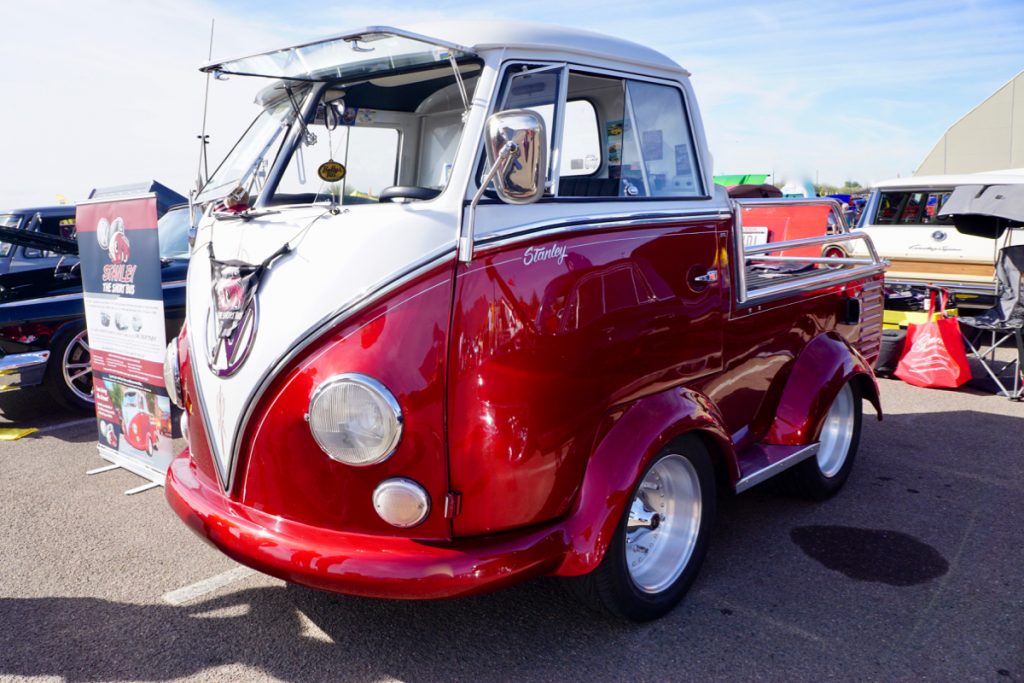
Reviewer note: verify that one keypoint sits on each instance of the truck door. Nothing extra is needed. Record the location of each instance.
(595, 296)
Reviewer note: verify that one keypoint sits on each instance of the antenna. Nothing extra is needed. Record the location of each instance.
(203, 173)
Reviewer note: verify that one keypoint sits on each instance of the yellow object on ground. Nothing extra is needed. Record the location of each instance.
(15, 434)
(896, 320)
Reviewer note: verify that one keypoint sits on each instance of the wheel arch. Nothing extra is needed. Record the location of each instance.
(826, 364)
(633, 436)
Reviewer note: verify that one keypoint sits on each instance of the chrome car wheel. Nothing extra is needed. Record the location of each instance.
(837, 433)
(76, 367)
(664, 523)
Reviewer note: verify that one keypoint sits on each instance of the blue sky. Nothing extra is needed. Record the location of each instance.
(856, 91)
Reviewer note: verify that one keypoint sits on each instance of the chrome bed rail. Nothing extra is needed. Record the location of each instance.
(752, 290)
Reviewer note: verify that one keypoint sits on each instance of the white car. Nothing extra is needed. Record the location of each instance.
(901, 217)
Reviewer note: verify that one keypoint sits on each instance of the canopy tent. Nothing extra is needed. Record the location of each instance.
(745, 179)
(985, 210)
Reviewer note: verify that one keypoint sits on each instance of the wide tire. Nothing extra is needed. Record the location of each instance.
(68, 376)
(822, 476)
(661, 540)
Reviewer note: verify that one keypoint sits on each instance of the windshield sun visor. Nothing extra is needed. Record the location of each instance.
(353, 54)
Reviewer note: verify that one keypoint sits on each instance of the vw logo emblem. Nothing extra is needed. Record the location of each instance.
(224, 355)
(938, 235)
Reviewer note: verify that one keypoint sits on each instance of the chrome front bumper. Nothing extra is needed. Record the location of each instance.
(22, 369)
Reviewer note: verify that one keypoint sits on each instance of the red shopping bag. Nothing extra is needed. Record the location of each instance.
(934, 353)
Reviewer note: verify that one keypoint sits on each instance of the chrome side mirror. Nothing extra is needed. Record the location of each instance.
(521, 179)
(517, 160)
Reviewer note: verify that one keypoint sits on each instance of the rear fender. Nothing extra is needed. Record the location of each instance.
(822, 368)
(626, 446)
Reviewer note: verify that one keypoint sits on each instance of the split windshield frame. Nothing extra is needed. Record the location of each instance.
(353, 37)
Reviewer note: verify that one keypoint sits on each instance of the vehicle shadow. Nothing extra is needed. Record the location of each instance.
(297, 634)
(535, 631)
(33, 407)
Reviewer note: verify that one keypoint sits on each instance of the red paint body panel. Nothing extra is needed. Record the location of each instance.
(403, 568)
(538, 398)
(543, 350)
(369, 565)
(402, 343)
(821, 370)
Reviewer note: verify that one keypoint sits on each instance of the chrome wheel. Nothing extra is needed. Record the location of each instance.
(663, 525)
(76, 368)
(837, 433)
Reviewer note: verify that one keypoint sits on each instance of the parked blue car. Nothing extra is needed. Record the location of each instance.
(43, 339)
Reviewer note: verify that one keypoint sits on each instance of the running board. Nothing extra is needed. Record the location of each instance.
(763, 461)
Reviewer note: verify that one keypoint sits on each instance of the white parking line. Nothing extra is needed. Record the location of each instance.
(63, 425)
(199, 588)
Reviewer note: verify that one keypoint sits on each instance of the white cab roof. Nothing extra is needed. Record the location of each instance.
(1009, 176)
(480, 37)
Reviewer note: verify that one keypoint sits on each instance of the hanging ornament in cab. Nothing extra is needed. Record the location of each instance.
(331, 171)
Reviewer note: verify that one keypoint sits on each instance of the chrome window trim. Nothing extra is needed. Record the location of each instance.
(582, 67)
(528, 231)
(288, 146)
(349, 35)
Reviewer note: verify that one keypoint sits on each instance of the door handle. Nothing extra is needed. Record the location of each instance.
(707, 278)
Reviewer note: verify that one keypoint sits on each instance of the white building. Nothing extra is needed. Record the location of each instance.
(989, 137)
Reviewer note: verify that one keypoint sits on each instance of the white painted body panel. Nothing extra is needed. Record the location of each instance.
(938, 243)
(338, 260)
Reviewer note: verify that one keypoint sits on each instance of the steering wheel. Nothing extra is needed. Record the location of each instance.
(389, 194)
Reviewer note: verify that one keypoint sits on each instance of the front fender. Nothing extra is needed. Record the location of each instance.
(822, 368)
(633, 436)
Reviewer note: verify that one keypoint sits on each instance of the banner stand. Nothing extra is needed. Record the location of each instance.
(119, 462)
(118, 242)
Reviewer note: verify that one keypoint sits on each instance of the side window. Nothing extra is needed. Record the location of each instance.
(55, 226)
(8, 221)
(658, 153)
(911, 208)
(640, 146)
(932, 206)
(535, 89)
(581, 144)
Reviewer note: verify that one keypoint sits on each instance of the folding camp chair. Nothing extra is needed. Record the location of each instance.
(1004, 320)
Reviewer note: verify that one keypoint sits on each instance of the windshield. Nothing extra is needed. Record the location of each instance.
(10, 220)
(361, 53)
(248, 162)
(387, 139)
(173, 229)
(392, 137)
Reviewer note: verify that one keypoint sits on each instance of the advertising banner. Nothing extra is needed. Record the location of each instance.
(124, 312)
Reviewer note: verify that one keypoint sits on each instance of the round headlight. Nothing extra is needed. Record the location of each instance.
(355, 419)
(401, 502)
(172, 374)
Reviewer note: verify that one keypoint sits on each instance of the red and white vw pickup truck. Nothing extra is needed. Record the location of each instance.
(465, 307)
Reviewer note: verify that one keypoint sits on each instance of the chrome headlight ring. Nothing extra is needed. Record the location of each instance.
(355, 419)
(172, 374)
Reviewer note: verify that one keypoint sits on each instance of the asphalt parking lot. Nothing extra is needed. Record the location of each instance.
(914, 571)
